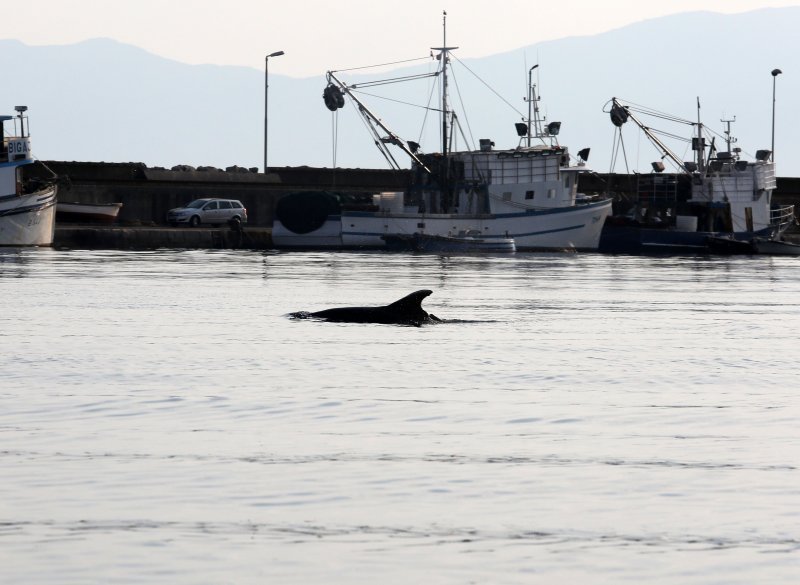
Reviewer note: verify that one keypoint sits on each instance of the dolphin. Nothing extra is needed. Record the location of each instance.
(406, 311)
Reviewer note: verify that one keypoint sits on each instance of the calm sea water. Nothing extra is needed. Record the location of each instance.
(582, 419)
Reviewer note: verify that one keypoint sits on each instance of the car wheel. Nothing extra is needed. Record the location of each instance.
(195, 221)
(235, 222)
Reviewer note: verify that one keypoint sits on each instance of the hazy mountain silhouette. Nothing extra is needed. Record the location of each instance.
(101, 100)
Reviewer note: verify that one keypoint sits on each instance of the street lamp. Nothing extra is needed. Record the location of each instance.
(775, 73)
(266, 93)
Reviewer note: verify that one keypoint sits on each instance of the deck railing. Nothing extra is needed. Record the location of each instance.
(782, 216)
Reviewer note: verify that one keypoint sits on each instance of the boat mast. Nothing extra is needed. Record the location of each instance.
(533, 101)
(729, 140)
(700, 146)
(444, 56)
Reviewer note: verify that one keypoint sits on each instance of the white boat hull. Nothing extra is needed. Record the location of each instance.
(89, 212)
(565, 228)
(28, 220)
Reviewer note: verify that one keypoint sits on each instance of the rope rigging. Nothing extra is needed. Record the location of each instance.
(489, 87)
(425, 58)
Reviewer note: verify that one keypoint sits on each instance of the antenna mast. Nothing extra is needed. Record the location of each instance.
(729, 140)
(533, 101)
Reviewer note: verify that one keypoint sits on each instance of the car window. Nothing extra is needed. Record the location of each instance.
(224, 204)
(236, 204)
(197, 203)
(211, 205)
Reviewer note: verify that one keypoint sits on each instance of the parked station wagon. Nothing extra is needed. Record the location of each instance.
(208, 211)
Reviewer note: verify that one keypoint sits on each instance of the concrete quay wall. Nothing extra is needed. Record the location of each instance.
(148, 193)
(91, 237)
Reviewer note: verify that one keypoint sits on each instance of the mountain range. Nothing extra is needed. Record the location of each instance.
(101, 100)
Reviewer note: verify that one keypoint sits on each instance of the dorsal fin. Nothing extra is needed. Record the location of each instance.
(411, 302)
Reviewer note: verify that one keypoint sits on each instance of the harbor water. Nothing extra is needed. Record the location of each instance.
(577, 418)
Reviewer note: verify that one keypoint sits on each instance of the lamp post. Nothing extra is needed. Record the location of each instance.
(266, 102)
(775, 73)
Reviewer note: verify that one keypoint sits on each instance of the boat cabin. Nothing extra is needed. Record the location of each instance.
(743, 186)
(15, 151)
(14, 148)
(502, 181)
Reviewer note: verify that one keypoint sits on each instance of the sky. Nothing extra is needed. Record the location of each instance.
(318, 35)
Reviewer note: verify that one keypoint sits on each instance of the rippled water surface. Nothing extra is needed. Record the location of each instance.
(579, 419)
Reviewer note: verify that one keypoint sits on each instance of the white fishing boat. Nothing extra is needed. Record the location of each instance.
(717, 203)
(527, 193)
(27, 208)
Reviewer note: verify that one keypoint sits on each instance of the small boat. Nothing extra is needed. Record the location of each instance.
(27, 207)
(775, 247)
(729, 245)
(527, 193)
(467, 242)
(71, 211)
(716, 203)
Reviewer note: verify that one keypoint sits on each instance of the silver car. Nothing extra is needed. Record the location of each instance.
(208, 211)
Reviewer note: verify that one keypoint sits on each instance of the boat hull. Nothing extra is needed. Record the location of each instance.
(567, 228)
(28, 220)
(87, 212)
(775, 247)
(618, 239)
(328, 235)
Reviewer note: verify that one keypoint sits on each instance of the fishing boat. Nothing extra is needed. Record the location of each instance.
(708, 205)
(27, 207)
(76, 212)
(527, 193)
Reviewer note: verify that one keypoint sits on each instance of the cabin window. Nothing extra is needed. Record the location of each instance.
(566, 182)
(551, 193)
(507, 196)
(529, 194)
(421, 225)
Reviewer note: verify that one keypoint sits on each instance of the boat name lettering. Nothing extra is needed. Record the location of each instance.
(19, 146)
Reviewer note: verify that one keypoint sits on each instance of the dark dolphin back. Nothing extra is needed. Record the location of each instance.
(406, 311)
(410, 306)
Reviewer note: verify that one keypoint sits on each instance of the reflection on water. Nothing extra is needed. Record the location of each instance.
(581, 418)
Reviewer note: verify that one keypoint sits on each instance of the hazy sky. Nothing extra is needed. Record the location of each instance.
(319, 35)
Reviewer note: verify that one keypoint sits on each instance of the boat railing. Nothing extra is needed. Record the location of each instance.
(657, 189)
(782, 216)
